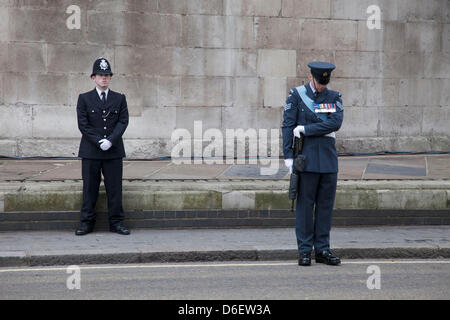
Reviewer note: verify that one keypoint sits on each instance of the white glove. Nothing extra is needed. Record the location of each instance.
(298, 130)
(289, 163)
(105, 144)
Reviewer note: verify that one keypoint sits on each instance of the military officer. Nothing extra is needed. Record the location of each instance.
(102, 119)
(316, 112)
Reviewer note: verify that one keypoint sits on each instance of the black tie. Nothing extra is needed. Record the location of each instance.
(104, 98)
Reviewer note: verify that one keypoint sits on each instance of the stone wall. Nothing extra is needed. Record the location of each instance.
(228, 63)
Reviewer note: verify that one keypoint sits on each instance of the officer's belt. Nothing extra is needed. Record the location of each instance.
(310, 104)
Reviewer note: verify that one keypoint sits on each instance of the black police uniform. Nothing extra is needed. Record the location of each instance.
(317, 187)
(99, 120)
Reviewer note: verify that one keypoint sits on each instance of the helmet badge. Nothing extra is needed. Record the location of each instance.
(103, 64)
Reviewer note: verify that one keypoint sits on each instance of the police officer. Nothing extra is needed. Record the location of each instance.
(316, 112)
(102, 119)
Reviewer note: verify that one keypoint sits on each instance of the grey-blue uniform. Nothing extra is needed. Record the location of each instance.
(321, 115)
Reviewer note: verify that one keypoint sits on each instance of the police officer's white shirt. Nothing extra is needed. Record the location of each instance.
(100, 93)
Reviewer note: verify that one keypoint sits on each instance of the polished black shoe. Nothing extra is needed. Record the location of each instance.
(304, 259)
(327, 258)
(83, 230)
(120, 230)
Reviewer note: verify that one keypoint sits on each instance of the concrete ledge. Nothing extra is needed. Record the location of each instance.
(225, 195)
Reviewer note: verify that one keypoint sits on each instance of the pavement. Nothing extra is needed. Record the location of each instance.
(412, 176)
(383, 167)
(43, 248)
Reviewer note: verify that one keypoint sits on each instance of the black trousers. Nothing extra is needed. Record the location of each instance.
(91, 171)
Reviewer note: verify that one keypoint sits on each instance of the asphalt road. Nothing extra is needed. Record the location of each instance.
(389, 279)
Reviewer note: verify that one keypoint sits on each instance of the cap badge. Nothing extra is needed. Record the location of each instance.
(103, 64)
(325, 74)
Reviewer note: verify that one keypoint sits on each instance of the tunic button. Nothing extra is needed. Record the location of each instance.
(104, 111)
(105, 136)
(104, 128)
(104, 120)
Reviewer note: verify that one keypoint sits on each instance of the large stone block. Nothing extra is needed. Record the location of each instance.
(391, 37)
(446, 38)
(8, 148)
(252, 7)
(213, 62)
(1, 88)
(47, 25)
(403, 64)
(133, 28)
(169, 91)
(4, 24)
(47, 89)
(436, 121)
(209, 118)
(400, 121)
(277, 63)
(190, 7)
(353, 91)
(359, 122)
(437, 65)
(281, 33)
(382, 92)
(238, 117)
(3, 57)
(218, 31)
(274, 91)
(424, 36)
(27, 57)
(147, 148)
(141, 92)
(55, 122)
(248, 92)
(238, 200)
(436, 10)
(19, 122)
(358, 64)
(153, 123)
(143, 61)
(56, 147)
(329, 34)
(210, 91)
(80, 83)
(306, 8)
(76, 58)
(421, 92)
(412, 199)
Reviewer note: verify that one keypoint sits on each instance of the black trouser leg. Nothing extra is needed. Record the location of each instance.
(112, 172)
(91, 174)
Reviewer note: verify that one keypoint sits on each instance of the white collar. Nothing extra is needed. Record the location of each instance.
(312, 88)
(100, 92)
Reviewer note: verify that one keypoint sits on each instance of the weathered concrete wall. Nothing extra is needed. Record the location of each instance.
(229, 63)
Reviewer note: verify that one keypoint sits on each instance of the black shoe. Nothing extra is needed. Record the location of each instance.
(120, 229)
(304, 259)
(83, 230)
(327, 258)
